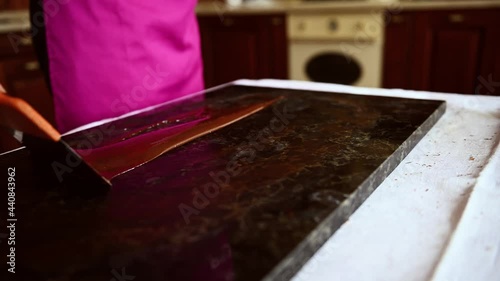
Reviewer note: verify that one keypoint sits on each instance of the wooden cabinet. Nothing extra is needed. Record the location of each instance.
(14, 4)
(456, 47)
(398, 49)
(236, 47)
(21, 75)
(444, 51)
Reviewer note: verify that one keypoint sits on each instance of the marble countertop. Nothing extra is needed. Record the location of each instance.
(269, 7)
(275, 186)
(436, 217)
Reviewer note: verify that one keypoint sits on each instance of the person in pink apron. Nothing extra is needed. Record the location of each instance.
(106, 58)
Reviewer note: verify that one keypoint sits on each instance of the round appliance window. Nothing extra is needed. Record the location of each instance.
(333, 68)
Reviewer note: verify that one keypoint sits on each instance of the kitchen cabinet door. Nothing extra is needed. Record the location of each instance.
(398, 49)
(455, 50)
(236, 47)
(16, 4)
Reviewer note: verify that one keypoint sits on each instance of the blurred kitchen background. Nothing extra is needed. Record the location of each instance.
(443, 46)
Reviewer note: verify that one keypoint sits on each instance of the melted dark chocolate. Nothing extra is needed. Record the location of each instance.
(143, 145)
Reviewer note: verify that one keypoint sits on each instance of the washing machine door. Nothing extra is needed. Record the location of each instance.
(332, 67)
(340, 63)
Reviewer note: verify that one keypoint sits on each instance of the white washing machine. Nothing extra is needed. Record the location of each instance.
(336, 48)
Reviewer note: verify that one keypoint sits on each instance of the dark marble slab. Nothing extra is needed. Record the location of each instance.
(252, 201)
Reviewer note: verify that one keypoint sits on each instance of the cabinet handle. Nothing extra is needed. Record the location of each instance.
(31, 66)
(456, 18)
(228, 22)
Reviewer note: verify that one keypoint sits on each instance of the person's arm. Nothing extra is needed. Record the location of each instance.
(6, 133)
(18, 116)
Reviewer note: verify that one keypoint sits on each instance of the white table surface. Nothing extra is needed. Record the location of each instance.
(437, 216)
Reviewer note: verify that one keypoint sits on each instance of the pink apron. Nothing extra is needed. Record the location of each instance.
(110, 57)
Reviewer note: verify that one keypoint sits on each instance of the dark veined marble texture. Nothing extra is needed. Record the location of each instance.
(251, 201)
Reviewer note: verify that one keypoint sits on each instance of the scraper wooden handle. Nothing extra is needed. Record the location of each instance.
(17, 114)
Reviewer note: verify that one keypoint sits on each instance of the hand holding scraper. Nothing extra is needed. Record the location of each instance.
(47, 147)
(91, 174)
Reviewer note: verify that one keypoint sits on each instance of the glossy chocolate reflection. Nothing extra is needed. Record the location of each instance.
(251, 201)
(146, 144)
